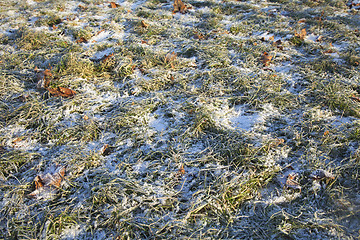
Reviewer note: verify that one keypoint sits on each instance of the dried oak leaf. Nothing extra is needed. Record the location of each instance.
(355, 98)
(43, 79)
(46, 185)
(179, 6)
(265, 59)
(144, 24)
(301, 35)
(81, 40)
(106, 150)
(291, 181)
(181, 170)
(113, 5)
(106, 57)
(61, 91)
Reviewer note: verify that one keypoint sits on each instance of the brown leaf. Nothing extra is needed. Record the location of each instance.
(355, 98)
(100, 31)
(265, 59)
(179, 6)
(302, 20)
(113, 5)
(61, 91)
(106, 57)
(48, 183)
(43, 78)
(329, 51)
(81, 40)
(291, 181)
(106, 150)
(181, 170)
(170, 57)
(302, 34)
(144, 24)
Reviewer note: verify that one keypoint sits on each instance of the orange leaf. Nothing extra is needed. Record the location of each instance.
(179, 6)
(81, 40)
(302, 34)
(45, 183)
(61, 91)
(291, 181)
(302, 20)
(144, 24)
(113, 5)
(265, 59)
(106, 57)
(355, 98)
(100, 31)
(181, 170)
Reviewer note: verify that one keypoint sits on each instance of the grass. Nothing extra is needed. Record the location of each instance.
(201, 134)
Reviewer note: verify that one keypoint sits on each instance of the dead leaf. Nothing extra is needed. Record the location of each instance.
(61, 91)
(85, 117)
(301, 35)
(100, 31)
(43, 78)
(54, 27)
(81, 40)
(181, 170)
(106, 57)
(47, 184)
(82, 7)
(291, 181)
(113, 5)
(199, 35)
(329, 51)
(106, 150)
(355, 98)
(144, 24)
(302, 20)
(179, 6)
(265, 59)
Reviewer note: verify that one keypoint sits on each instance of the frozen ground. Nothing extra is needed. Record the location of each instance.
(141, 120)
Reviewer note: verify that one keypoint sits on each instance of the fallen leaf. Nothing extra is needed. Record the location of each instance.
(144, 24)
(326, 133)
(302, 20)
(265, 59)
(301, 35)
(81, 40)
(199, 36)
(61, 91)
(82, 7)
(100, 31)
(113, 5)
(43, 78)
(329, 51)
(181, 170)
(54, 27)
(106, 57)
(179, 6)
(46, 185)
(355, 98)
(106, 150)
(291, 181)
